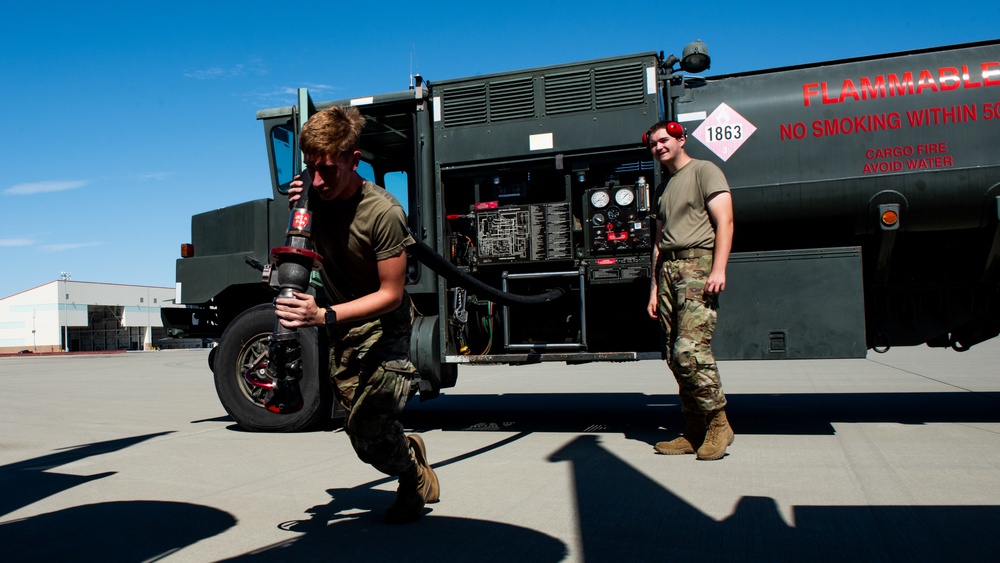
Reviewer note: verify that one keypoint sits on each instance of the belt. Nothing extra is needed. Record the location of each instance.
(687, 253)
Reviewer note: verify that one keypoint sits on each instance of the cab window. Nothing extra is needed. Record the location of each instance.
(397, 184)
(283, 147)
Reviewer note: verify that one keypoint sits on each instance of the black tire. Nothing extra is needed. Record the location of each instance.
(246, 338)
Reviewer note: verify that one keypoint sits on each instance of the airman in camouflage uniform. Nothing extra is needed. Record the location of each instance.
(372, 405)
(693, 239)
(682, 289)
(360, 231)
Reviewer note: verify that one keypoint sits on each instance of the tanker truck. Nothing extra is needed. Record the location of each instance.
(866, 196)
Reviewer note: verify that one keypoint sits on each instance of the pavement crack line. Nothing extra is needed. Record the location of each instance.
(986, 394)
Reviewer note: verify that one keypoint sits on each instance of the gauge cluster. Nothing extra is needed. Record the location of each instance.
(617, 235)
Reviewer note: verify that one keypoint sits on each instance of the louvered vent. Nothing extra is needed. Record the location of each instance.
(568, 91)
(618, 86)
(465, 105)
(512, 99)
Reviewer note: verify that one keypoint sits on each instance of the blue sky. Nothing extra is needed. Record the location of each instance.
(123, 119)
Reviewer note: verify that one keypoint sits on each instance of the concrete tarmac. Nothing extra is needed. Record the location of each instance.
(130, 457)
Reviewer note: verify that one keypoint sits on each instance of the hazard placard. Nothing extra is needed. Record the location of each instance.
(724, 131)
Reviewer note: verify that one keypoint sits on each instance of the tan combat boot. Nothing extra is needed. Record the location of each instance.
(687, 442)
(718, 437)
(416, 488)
(428, 484)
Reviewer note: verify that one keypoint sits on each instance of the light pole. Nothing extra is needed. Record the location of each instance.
(65, 327)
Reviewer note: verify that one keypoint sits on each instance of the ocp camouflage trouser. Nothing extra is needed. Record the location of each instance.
(688, 318)
(373, 380)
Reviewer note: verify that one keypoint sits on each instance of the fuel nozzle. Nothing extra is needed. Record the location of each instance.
(293, 264)
(295, 261)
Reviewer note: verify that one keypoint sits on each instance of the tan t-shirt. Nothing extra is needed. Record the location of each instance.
(682, 206)
(353, 235)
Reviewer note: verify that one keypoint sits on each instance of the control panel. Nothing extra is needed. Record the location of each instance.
(617, 231)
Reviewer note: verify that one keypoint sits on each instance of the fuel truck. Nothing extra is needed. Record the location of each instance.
(866, 195)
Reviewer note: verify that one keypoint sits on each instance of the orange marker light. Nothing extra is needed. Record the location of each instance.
(889, 217)
(187, 250)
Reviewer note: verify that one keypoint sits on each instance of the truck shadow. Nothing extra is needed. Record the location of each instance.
(651, 523)
(108, 531)
(643, 417)
(622, 515)
(26, 482)
(112, 531)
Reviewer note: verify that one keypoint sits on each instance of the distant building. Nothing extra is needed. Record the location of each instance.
(74, 316)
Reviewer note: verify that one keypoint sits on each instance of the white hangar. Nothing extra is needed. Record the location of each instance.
(76, 316)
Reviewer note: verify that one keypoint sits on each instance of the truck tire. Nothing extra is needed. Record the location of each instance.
(243, 340)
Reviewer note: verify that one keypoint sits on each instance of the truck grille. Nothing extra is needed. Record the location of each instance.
(465, 105)
(483, 103)
(568, 91)
(601, 88)
(618, 86)
(581, 90)
(512, 99)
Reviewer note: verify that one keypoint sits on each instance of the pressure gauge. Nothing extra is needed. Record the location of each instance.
(599, 199)
(624, 196)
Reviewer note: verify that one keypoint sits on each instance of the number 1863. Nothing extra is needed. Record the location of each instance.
(724, 133)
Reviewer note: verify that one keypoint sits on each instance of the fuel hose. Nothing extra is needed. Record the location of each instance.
(442, 267)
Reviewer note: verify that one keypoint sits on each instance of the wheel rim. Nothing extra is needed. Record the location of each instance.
(253, 352)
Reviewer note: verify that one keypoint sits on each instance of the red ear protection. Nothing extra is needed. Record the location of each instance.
(674, 129)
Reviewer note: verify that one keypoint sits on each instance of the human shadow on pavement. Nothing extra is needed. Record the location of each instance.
(625, 516)
(351, 527)
(108, 531)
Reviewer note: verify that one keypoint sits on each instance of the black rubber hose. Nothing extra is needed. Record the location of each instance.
(448, 271)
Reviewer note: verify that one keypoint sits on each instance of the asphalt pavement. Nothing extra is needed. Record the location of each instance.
(130, 457)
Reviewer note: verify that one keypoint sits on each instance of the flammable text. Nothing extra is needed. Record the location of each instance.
(903, 84)
(890, 121)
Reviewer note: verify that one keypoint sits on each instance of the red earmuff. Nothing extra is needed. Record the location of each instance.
(674, 129)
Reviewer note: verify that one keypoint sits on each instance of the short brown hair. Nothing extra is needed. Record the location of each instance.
(333, 131)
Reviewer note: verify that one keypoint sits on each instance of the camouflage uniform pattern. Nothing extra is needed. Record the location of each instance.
(373, 380)
(688, 319)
